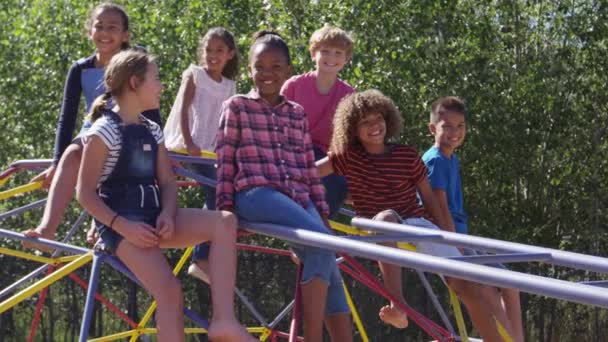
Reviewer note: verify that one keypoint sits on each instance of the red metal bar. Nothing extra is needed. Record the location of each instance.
(39, 308)
(8, 172)
(261, 249)
(106, 302)
(361, 274)
(295, 320)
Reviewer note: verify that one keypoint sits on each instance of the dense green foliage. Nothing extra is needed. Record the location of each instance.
(534, 164)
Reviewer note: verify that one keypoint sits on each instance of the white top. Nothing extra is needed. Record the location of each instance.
(204, 111)
(109, 132)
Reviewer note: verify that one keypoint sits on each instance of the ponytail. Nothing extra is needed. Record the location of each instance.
(99, 106)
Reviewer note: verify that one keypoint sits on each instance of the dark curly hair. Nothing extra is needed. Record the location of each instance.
(231, 69)
(353, 108)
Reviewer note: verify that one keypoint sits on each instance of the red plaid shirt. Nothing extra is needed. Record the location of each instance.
(260, 145)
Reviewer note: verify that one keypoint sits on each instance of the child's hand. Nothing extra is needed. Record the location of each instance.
(165, 226)
(138, 233)
(45, 176)
(193, 150)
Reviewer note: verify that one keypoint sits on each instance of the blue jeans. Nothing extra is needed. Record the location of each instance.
(263, 204)
(201, 251)
(335, 187)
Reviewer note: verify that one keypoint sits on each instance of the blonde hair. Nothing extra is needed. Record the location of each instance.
(123, 66)
(353, 108)
(331, 36)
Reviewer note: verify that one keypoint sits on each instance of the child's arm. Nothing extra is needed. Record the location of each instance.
(165, 178)
(91, 168)
(431, 205)
(184, 121)
(317, 190)
(441, 199)
(324, 166)
(228, 138)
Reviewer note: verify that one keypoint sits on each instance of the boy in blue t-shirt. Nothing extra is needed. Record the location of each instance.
(448, 126)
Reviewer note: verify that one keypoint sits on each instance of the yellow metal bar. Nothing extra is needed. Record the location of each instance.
(117, 336)
(3, 180)
(28, 256)
(265, 335)
(152, 307)
(20, 190)
(347, 229)
(355, 314)
(462, 329)
(503, 332)
(44, 282)
(66, 258)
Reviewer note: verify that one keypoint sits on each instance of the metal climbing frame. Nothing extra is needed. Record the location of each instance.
(358, 244)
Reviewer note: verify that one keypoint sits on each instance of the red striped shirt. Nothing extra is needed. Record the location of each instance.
(381, 182)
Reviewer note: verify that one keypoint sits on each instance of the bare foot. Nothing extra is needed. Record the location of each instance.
(39, 232)
(228, 331)
(92, 235)
(393, 316)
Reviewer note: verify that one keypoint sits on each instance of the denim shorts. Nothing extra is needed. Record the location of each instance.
(336, 188)
(429, 248)
(264, 204)
(134, 203)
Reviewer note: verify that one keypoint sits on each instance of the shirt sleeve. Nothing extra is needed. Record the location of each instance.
(69, 111)
(418, 167)
(317, 191)
(228, 138)
(338, 162)
(438, 173)
(288, 89)
(106, 131)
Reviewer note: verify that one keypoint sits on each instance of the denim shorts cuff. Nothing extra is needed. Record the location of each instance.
(313, 276)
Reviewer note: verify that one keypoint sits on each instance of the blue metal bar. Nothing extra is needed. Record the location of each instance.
(503, 258)
(49, 243)
(119, 266)
(394, 237)
(43, 268)
(19, 210)
(562, 258)
(584, 294)
(346, 212)
(599, 283)
(29, 163)
(23, 280)
(90, 300)
(201, 322)
(192, 160)
(435, 301)
(199, 178)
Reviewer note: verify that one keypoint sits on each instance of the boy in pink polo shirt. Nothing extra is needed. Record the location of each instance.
(319, 92)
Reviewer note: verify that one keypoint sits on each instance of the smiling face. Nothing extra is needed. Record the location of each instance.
(269, 69)
(216, 55)
(329, 60)
(449, 131)
(371, 132)
(108, 31)
(150, 88)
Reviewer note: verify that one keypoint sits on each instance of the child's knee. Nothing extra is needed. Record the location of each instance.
(228, 224)
(72, 155)
(387, 216)
(171, 292)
